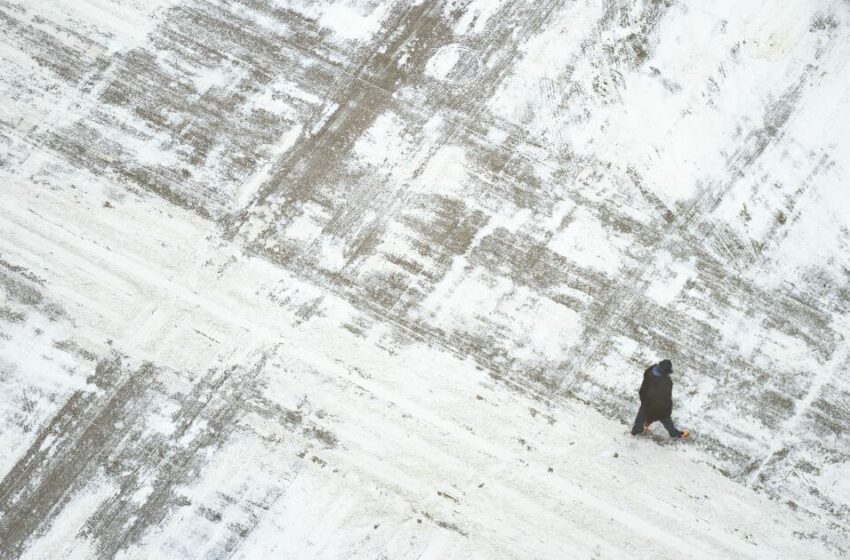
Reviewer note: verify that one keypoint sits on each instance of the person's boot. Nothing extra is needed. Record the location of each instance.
(682, 435)
(642, 430)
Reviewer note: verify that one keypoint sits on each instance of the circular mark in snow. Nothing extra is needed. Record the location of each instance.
(454, 64)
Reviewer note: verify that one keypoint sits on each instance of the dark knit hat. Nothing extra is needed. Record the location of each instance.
(665, 367)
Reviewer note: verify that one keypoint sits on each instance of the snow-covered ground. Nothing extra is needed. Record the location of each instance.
(364, 279)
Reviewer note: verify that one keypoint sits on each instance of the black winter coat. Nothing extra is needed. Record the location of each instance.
(656, 395)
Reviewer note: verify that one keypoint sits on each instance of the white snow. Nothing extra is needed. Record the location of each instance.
(476, 15)
(384, 140)
(434, 434)
(64, 540)
(440, 445)
(442, 62)
(673, 275)
(250, 187)
(586, 242)
(348, 20)
(446, 171)
(36, 377)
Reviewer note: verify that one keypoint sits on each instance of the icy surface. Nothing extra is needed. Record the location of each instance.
(378, 279)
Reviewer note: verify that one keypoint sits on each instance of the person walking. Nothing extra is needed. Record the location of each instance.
(656, 400)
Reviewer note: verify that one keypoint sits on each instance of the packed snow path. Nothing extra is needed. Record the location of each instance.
(379, 280)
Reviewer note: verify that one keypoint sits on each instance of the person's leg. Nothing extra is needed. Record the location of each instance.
(671, 427)
(640, 420)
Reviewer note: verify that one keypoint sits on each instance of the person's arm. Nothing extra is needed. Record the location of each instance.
(643, 386)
